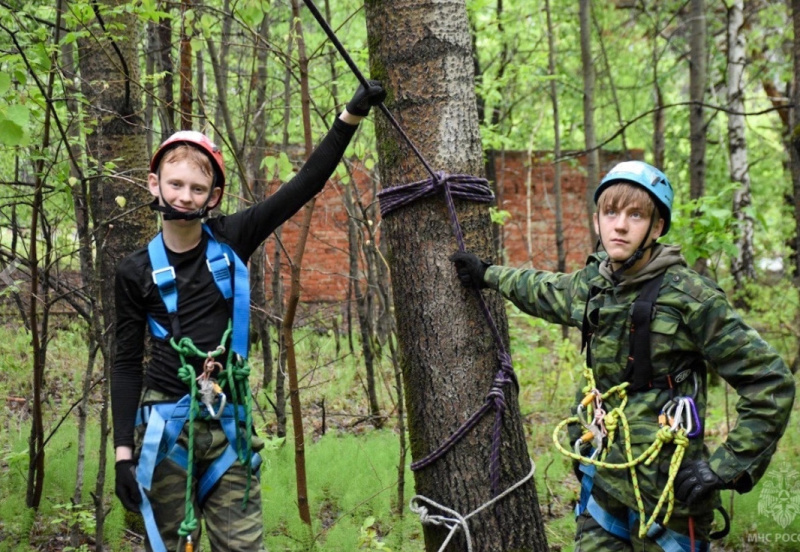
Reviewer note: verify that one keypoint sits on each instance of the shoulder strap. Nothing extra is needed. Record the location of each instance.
(639, 370)
(218, 259)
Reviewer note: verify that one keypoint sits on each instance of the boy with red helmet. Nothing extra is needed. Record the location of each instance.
(185, 446)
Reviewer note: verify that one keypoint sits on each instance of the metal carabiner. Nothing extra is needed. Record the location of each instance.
(664, 415)
(581, 412)
(210, 392)
(695, 417)
(595, 436)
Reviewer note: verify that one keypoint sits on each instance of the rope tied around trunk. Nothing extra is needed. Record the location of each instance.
(470, 188)
(462, 186)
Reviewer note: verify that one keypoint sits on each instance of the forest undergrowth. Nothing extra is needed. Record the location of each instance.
(352, 467)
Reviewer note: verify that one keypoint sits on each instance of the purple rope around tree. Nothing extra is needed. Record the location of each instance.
(470, 188)
(463, 187)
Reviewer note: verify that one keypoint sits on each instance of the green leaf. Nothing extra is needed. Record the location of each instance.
(11, 134)
(19, 114)
(5, 83)
(21, 76)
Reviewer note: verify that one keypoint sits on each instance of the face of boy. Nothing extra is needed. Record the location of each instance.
(623, 230)
(183, 185)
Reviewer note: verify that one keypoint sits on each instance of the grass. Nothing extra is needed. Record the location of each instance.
(352, 471)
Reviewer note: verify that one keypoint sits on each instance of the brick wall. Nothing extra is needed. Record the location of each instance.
(527, 241)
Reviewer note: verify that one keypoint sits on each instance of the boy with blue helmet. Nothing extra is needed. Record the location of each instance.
(650, 325)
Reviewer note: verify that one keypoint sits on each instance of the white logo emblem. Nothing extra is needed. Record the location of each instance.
(780, 495)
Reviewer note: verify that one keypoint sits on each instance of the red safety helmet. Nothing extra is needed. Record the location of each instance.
(200, 141)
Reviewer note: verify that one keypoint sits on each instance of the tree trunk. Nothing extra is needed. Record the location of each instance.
(794, 150)
(185, 70)
(110, 76)
(590, 139)
(742, 265)
(258, 264)
(697, 125)
(294, 289)
(421, 51)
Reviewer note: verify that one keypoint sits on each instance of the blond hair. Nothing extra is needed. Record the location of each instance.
(188, 153)
(624, 194)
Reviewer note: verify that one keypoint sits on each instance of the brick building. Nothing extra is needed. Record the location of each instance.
(527, 237)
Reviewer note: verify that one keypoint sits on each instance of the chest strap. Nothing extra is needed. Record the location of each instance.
(219, 257)
(639, 370)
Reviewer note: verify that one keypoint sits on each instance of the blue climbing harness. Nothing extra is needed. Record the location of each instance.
(666, 538)
(218, 259)
(165, 421)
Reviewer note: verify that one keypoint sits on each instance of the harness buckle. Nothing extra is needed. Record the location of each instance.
(169, 269)
(227, 262)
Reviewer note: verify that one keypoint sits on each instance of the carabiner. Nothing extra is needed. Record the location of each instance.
(595, 436)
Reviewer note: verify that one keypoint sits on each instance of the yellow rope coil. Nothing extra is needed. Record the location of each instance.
(613, 419)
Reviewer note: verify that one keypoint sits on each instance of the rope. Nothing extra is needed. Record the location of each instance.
(462, 186)
(665, 435)
(456, 521)
(236, 378)
(361, 79)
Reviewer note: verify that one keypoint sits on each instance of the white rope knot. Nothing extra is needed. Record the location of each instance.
(456, 521)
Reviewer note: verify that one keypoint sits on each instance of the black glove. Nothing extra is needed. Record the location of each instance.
(365, 98)
(695, 480)
(470, 269)
(126, 487)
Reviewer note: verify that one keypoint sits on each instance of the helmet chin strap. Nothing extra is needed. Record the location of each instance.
(168, 212)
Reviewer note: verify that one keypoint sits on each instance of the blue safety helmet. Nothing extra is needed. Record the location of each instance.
(649, 178)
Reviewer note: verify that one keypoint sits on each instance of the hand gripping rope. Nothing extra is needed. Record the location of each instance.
(469, 188)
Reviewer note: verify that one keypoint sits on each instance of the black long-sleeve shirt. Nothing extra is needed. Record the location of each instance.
(203, 312)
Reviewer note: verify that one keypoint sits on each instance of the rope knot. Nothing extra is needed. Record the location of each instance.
(497, 398)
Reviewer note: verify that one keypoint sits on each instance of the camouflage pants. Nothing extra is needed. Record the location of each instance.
(590, 536)
(229, 526)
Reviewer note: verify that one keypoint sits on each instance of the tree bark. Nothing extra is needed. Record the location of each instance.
(742, 265)
(110, 76)
(794, 150)
(697, 125)
(590, 139)
(422, 52)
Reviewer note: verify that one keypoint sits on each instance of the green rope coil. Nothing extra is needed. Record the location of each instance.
(236, 376)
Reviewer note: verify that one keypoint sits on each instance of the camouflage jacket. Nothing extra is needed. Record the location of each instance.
(694, 324)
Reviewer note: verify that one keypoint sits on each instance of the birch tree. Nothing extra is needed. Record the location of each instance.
(742, 265)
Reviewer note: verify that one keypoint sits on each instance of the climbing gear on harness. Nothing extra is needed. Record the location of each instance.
(646, 176)
(613, 419)
(165, 422)
(214, 154)
(218, 259)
